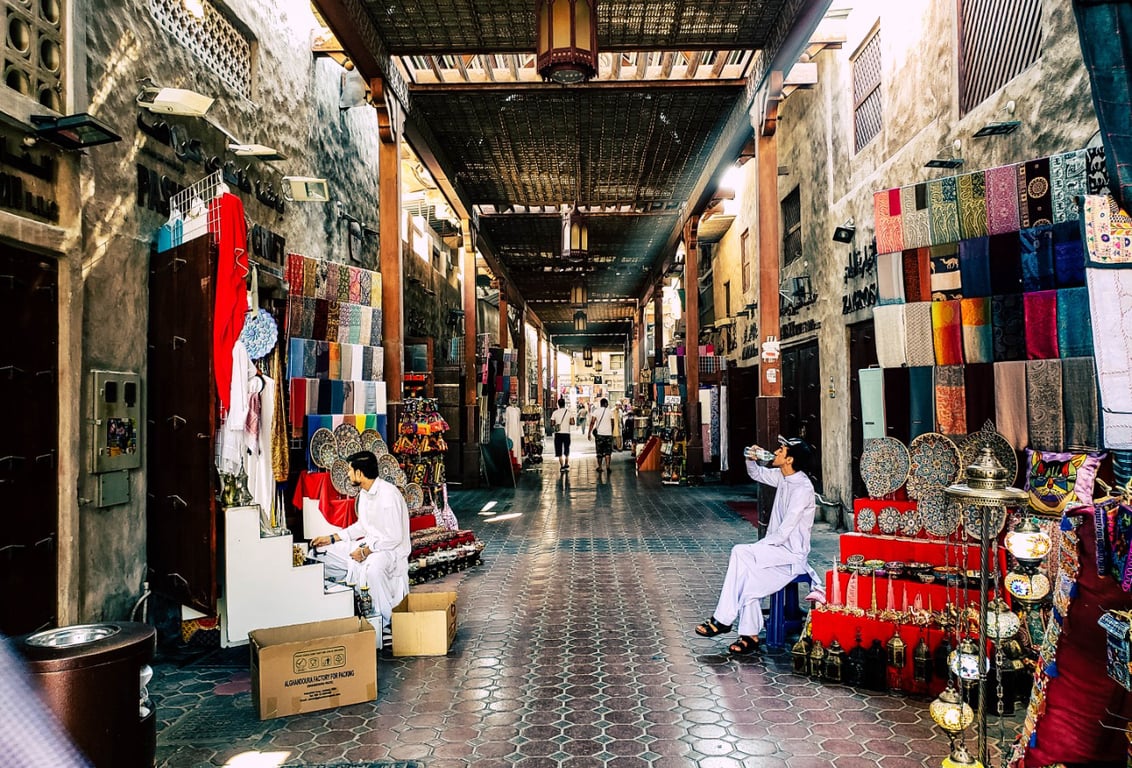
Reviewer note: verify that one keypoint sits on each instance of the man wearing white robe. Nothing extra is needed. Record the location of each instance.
(374, 551)
(759, 570)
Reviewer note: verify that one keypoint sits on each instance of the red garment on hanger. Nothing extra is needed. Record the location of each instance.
(226, 223)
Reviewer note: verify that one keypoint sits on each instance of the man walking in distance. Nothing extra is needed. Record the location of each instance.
(601, 429)
(563, 421)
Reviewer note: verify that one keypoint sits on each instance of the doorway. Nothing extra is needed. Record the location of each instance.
(801, 399)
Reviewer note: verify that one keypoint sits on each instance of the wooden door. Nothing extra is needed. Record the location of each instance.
(29, 476)
(862, 354)
(801, 398)
(181, 487)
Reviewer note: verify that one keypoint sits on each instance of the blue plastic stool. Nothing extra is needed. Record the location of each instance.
(785, 614)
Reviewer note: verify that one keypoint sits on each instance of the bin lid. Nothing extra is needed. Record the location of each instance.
(86, 644)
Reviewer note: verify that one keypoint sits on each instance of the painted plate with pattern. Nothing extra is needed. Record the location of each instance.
(884, 465)
(972, 517)
(329, 453)
(386, 466)
(322, 437)
(910, 524)
(340, 478)
(866, 520)
(370, 438)
(348, 439)
(939, 515)
(935, 464)
(414, 496)
(973, 444)
(889, 520)
(380, 448)
(399, 478)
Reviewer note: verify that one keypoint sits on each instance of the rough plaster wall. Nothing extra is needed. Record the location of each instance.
(921, 116)
(294, 107)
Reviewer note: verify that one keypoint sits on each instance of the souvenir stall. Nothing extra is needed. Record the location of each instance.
(533, 433)
(713, 408)
(499, 445)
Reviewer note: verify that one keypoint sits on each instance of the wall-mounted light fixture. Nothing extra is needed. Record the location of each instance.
(73, 131)
(954, 161)
(262, 151)
(305, 189)
(1000, 128)
(172, 101)
(844, 233)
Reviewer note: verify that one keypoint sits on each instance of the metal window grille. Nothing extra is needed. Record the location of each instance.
(998, 40)
(34, 50)
(745, 258)
(212, 38)
(792, 227)
(868, 114)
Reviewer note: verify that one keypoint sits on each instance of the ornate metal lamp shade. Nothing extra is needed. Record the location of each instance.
(578, 294)
(580, 320)
(566, 40)
(1028, 543)
(951, 713)
(588, 354)
(575, 237)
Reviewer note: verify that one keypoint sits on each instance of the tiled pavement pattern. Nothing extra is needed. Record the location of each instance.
(575, 649)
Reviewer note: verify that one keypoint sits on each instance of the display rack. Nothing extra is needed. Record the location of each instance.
(673, 441)
(533, 432)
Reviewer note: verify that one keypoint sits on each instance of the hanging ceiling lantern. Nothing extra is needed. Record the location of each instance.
(575, 237)
(578, 294)
(588, 353)
(567, 40)
(580, 321)
(597, 366)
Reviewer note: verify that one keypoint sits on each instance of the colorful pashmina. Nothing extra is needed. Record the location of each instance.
(1002, 199)
(891, 341)
(947, 279)
(375, 290)
(310, 277)
(974, 267)
(1034, 201)
(978, 340)
(321, 316)
(920, 344)
(333, 317)
(943, 209)
(950, 403)
(947, 332)
(915, 218)
(343, 281)
(917, 271)
(978, 381)
(1044, 405)
(921, 402)
(886, 213)
(1008, 326)
(375, 329)
(1110, 311)
(1107, 232)
(1079, 391)
(335, 370)
(872, 402)
(1041, 326)
(355, 284)
(1037, 258)
(1096, 172)
(1005, 264)
(365, 285)
(890, 278)
(332, 276)
(972, 196)
(1068, 255)
(1010, 417)
(897, 404)
(1074, 331)
(1068, 181)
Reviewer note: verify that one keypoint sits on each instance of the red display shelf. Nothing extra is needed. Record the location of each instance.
(935, 595)
(912, 550)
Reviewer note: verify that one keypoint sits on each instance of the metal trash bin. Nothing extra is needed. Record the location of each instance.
(94, 677)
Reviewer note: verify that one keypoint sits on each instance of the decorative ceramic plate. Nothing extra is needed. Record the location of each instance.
(889, 520)
(370, 438)
(340, 478)
(329, 454)
(386, 466)
(973, 444)
(414, 496)
(884, 465)
(910, 524)
(348, 439)
(380, 448)
(935, 464)
(399, 478)
(939, 515)
(972, 516)
(866, 520)
(321, 437)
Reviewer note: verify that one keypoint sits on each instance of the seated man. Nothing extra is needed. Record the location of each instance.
(759, 570)
(374, 551)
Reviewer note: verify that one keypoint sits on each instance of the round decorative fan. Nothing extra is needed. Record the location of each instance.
(321, 438)
(386, 466)
(973, 444)
(935, 464)
(370, 438)
(348, 439)
(340, 478)
(889, 520)
(866, 520)
(884, 465)
(939, 514)
(910, 524)
(414, 496)
(972, 517)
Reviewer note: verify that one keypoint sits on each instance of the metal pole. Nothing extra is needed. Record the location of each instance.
(984, 562)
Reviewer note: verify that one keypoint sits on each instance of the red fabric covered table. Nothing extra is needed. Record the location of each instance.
(337, 509)
(934, 551)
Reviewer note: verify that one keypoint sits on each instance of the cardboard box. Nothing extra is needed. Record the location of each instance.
(424, 624)
(309, 667)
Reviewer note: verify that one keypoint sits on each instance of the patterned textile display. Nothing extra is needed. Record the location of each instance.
(947, 332)
(1096, 172)
(1107, 232)
(1079, 391)
(1037, 258)
(888, 324)
(715, 421)
(1008, 327)
(978, 340)
(1074, 332)
(943, 209)
(971, 191)
(872, 402)
(1110, 310)
(1035, 204)
(1010, 416)
(886, 213)
(1068, 255)
(1005, 264)
(890, 278)
(1068, 181)
(974, 267)
(921, 402)
(915, 218)
(920, 349)
(1044, 405)
(950, 403)
(1041, 324)
(1002, 199)
(947, 280)
(917, 272)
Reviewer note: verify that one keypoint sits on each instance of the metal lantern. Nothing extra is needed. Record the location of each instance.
(960, 758)
(855, 664)
(1002, 623)
(588, 353)
(1028, 543)
(580, 320)
(575, 236)
(800, 656)
(953, 716)
(597, 366)
(921, 666)
(834, 662)
(964, 662)
(566, 40)
(579, 295)
(817, 659)
(896, 656)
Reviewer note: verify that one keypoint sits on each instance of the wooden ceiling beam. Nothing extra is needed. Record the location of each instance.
(593, 85)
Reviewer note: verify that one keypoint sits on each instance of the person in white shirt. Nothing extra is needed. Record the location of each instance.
(374, 551)
(601, 426)
(759, 570)
(563, 420)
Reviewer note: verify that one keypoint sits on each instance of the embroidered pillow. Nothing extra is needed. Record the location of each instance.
(1053, 480)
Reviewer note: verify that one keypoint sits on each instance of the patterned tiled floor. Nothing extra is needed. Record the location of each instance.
(575, 649)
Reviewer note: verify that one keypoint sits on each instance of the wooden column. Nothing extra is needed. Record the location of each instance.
(471, 457)
(504, 333)
(390, 121)
(658, 323)
(695, 456)
(538, 371)
(521, 387)
(770, 373)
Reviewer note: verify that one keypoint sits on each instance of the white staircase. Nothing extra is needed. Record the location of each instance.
(262, 589)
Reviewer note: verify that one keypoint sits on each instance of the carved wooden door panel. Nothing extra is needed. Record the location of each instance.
(29, 476)
(801, 398)
(181, 506)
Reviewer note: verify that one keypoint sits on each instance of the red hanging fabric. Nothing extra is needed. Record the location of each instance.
(227, 225)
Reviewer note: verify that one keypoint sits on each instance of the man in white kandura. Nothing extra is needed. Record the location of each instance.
(759, 570)
(374, 551)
